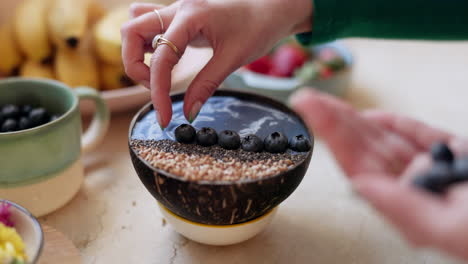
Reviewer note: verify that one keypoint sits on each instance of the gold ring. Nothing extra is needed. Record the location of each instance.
(160, 40)
(161, 22)
(154, 44)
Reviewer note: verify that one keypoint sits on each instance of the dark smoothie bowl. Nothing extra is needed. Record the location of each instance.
(238, 178)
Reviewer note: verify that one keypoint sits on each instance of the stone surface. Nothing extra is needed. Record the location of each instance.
(115, 220)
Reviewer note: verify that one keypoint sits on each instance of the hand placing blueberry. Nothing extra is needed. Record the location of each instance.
(228, 139)
(441, 152)
(9, 125)
(185, 134)
(276, 143)
(207, 136)
(300, 143)
(252, 143)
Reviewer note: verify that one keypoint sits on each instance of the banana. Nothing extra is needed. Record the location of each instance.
(33, 69)
(10, 55)
(108, 42)
(147, 60)
(67, 22)
(31, 30)
(78, 67)
(96, 12)
(114, 77)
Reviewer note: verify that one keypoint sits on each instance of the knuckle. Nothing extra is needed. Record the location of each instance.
(133, 9)
(131, 72)
(193, 4)
(207, 87)
(164, 56)
(126, 28)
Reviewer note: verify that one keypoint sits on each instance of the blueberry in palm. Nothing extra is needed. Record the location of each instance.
(441, 152)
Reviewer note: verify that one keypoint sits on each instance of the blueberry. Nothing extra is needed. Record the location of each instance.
(9, 125)
(25, 110)
(38, 116)
(10, 111)
(228, 139)
(460, 169)
(24, 123)
(252, 143)
(441, 152)
(207, 136)
(300, 143)
(437, 179)
(276, 143)
(185, 134)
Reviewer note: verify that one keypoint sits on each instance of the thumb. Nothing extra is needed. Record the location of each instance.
(205, 84)
(416, 214)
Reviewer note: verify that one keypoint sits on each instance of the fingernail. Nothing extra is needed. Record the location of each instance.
(158, 116)
(194, 111)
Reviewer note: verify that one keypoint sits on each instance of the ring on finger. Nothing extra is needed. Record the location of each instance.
(155, 41)
(160, 40)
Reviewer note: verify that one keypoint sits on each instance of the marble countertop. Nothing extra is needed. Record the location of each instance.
(114, 219)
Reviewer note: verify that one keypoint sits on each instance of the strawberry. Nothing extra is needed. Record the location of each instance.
(261, 65)
(328, 54)
(332, 59)
(287, 59)
(326, 73)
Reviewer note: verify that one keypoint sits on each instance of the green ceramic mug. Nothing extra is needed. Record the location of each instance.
(40, 168)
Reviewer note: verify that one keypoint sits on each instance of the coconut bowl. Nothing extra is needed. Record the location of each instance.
(220, 202)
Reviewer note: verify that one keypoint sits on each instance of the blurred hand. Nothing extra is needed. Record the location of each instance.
(380, 152)
(239, 31)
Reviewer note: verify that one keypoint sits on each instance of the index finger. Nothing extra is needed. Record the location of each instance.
(162, 63)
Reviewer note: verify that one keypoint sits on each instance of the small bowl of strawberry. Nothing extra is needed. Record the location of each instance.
(290, 66)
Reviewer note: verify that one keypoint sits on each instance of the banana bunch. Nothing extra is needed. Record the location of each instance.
(31, 29)
(67, 21)
(77, 42)
(107, 35)
(10, 53)
(77, 67)
(34, 69)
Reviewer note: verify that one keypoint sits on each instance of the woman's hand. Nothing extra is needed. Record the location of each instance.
(380, 152)
(239, 31)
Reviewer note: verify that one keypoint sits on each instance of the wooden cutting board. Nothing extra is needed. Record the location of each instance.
(58, 249)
